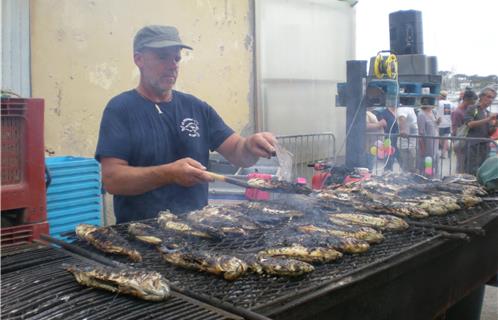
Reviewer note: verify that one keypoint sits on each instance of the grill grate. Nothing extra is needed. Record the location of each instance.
(252, 291)
(28, 256)
(47, 291)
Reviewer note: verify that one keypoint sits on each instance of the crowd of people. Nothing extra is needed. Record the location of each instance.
(417, 135)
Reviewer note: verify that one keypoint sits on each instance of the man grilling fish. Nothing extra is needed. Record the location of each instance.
(154, 141)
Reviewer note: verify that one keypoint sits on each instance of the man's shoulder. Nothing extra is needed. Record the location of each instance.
(405, 110)
(187, 97)
(122, 100)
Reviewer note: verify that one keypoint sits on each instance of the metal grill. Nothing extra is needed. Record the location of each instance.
(46, 291)
(23, 256)
(253, 291)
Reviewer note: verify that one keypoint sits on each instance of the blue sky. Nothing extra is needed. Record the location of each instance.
(462, 34)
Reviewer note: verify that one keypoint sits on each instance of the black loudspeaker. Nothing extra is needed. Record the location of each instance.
(405, 32)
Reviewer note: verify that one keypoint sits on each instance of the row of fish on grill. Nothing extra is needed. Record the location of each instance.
(290, 252)
(326, 225)
(405, 195)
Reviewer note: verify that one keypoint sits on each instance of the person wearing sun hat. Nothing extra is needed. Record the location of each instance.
(154, 141)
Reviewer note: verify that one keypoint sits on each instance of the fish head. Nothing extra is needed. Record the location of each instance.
(84, 229)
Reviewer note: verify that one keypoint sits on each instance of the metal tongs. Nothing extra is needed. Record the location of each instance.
(272, 186)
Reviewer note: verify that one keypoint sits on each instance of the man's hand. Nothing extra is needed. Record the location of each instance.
(244, 152)
(261, 144)
(186, 172)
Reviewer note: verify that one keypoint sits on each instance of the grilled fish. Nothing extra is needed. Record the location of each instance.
(381, 222)
(268, 213)
(278, 266)
(107, 240)
(221, 221)
(469, 200)
(438, 205)
(279, 185)
(169, 221)
(147, 285)
(292, 238)
(397, 208)
(299, 252)
(144, 233)
(453, 187)
(388, 204)
(367, 201)
(229, 267)
(362, 233)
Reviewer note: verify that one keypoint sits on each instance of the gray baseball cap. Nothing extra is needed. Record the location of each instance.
(156, 36)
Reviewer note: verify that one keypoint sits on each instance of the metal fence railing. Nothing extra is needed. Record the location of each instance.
(308, 149)
(426, 155)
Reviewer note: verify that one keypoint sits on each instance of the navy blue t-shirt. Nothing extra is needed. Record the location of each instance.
(144, 133)
(392, 124)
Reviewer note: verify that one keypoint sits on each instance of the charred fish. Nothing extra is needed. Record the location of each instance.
(229, 267)
(107, 240)
(362, 233)
(171, 222)
(147, 285)
(278, 266)
(302, 253)
(144, 233)
(381, 222)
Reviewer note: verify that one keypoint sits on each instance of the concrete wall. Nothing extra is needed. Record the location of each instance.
(81, 56)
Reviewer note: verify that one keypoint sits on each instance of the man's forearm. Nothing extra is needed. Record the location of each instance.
(245, 152)
(244, 157)
(235, 150)
(477, 123)
(128, 180)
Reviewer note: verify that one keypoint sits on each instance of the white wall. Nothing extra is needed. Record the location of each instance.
(302, 49)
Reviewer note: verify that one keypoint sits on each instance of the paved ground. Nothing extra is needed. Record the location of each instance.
(490, 305)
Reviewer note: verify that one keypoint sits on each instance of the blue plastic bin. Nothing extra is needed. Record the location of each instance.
(74, 193)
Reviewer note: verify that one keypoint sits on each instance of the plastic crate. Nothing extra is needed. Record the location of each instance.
(22, 159)
(410, 88)
(74, 195)
(22, 234)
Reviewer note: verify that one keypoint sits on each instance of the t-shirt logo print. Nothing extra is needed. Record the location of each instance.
(191, 126)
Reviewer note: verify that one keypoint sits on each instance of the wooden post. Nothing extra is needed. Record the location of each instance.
(355, 114)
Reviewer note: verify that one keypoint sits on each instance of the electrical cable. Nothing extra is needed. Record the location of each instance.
(348, 130)
(396, 105)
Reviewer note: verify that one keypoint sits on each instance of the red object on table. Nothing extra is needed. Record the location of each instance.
(356, 178)
(255, 194)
